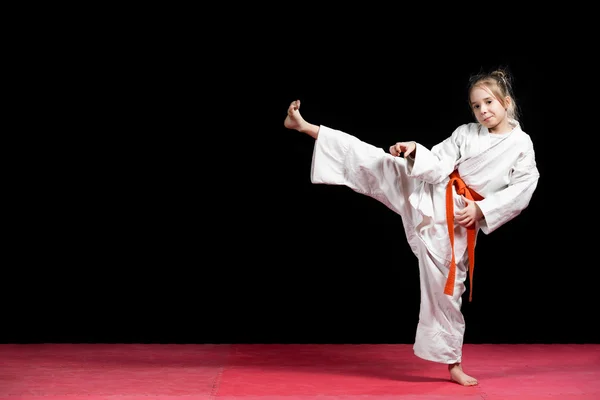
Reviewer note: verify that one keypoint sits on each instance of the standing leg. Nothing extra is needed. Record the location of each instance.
(441, 327)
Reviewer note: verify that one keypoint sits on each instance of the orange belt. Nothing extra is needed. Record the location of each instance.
(461, 189)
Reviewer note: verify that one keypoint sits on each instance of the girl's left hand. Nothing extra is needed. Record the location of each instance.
(469, 214)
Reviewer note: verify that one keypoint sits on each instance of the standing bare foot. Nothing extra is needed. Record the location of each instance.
(457, 375)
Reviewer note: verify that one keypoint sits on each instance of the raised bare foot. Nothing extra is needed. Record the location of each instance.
(457, 375)
(294, 120)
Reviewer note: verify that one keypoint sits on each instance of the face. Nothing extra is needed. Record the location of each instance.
(488, 111)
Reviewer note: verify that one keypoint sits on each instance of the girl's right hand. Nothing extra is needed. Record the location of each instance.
(407, 148)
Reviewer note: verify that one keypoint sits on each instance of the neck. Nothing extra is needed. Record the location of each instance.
(502, 127)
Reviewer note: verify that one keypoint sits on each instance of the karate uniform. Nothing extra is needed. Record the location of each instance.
(499, 167)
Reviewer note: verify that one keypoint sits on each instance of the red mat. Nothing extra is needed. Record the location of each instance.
(292, 372)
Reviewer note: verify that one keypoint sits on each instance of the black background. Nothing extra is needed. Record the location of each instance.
(157, 197)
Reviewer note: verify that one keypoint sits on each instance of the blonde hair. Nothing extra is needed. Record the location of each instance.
(498, 83)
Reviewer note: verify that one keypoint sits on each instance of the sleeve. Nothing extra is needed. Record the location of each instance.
(436, 165)
(503, 206)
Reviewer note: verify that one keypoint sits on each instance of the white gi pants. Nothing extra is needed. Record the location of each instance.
(341, 159)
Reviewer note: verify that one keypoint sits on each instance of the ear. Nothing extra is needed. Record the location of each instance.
(507, 101)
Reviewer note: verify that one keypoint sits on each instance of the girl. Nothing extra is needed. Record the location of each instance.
(479, 178)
